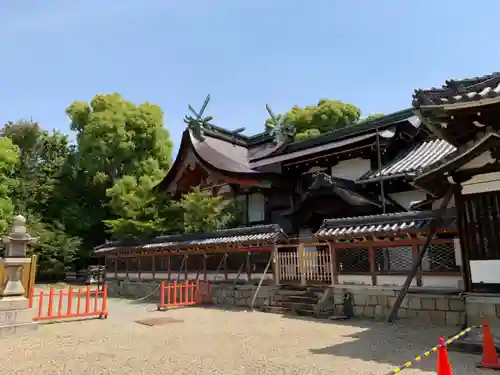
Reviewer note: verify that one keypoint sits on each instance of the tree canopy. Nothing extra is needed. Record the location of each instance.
(327, 115)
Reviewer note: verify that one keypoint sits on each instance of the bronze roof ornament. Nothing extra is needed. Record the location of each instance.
(282, 131)
(198, 123)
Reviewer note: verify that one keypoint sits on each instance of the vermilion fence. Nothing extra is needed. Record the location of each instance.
(70, 303)
(183, 294)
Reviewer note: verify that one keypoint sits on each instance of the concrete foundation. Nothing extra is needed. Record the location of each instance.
(16, 317)
(368, 303)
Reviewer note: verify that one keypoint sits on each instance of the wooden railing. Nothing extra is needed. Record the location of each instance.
(321, 263)
(307, 263)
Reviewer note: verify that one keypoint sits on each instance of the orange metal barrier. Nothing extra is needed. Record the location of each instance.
(95, 303)
(183, 294)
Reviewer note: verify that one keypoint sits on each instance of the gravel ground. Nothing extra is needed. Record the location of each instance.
(213, 341)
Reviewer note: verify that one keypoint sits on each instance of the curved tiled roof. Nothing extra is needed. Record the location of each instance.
(381, 224)
(413, 160)
(459, 91)
(246, 235)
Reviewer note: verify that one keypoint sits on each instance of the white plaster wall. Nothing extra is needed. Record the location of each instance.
(444, 282)
(437, 203)
(355, 279)
(351, 169)
(393, 280)
(479, 161)
(485, 271)
(482, 183)
(439, 282)
(256, 207)
(406, 198)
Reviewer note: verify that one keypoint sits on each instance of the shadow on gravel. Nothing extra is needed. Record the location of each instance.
(392, 344)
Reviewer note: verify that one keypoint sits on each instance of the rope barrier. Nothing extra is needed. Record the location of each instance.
(143, 298)
(419, 358)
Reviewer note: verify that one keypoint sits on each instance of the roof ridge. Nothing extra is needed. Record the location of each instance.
(382, 218)
(256, 229)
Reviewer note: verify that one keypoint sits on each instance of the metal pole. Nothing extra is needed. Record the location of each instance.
(261, 281)
(180, 269)
(381, 180)
(433, 227)
(219, 267)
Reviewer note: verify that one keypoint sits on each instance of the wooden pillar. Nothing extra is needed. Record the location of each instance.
(276, 265)
(169, 268)
(302, 267)
(333, 263)
(186, 275)
(464, 236)
(371, 251)
(138, 267)
(414, 252)
(153, 266)
(205, 272)
(116, 265)
(225, 267)
(126, 267)
(249, 266)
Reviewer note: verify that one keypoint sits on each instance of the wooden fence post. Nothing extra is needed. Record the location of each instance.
(302, 264)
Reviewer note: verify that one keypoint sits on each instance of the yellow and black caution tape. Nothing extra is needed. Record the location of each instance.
(418, 358)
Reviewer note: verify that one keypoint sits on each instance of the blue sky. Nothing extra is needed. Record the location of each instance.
(244, 53)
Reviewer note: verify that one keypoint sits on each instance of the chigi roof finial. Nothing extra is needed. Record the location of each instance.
(282, 131)
(198, 123)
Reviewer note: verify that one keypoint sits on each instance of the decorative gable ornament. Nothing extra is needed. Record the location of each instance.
(282, 132)
(198, 123)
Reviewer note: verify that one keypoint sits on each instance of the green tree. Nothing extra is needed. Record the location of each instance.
(374, 116)
(327, 115)
(124, 150)
(9, 158)
(40, 194)
(205, 213)
(57, 251)
(43, 156)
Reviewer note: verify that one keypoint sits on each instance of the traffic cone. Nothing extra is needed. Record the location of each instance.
(443, 364)
(490, 356)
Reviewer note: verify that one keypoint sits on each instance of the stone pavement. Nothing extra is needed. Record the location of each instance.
(213, 341)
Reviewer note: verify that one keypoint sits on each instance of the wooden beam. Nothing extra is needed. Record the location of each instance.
(418, 262)
(249, 266)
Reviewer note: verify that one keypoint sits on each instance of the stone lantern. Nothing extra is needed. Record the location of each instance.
(16, 244)
(15, 316)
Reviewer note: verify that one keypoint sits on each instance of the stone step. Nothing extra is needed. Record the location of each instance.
(293, 287)
(8, 317)
(295, 305)
(17, 329)
(303, 299)
(275, 309)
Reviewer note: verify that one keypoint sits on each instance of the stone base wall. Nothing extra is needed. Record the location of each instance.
(480, 307)
(367, 302)
(426, 308)
(241, 295)
(224, 294)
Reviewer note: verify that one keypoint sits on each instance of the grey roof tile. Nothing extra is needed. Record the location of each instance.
(267, 233)
(413, 160)
(459, 91)
(380, 224)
